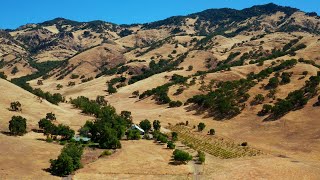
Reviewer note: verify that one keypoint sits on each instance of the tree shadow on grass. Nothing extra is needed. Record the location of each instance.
(6, 133)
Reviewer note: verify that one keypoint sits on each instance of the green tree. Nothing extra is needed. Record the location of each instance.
(171, 145)
(145, 125)
(68, 161)
(156, 125)
(273, 83)
(62, 166)
(18, 125)
(201, 126)
(134, 135)
(181, 156)
(50, 116)
(212, 132)
(202, 157)
(174, 136)
(15, 106)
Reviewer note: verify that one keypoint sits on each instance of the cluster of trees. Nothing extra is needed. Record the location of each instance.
(108, 127)
(18, 126)
(227, 100)
(68, 161)
(15, 106)
(175, 103)
(112, 82)
(50, 129)
(181, 156)
(161, 66)
(161, 92)
(258, 99)
(55, 98)
(294, 100)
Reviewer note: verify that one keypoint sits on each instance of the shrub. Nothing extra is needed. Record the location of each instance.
(15, 70)
(266, 108)
(156, 125)
(175, 104)
(18, 125)
(201, 126)
(15, 106)
(105, 153)
(74, 76)
(202, 157)
(212, 132)
(162, 138)
(145, 125)
(174, 136)
(2, 75)
(305, 73)
(273, 83)
(68, 161)
(258, 99)
(133, 135)
(171, 145)
(50, 116)
(190, 68)
(181, 156)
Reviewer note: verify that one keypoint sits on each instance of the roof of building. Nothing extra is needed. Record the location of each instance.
(78, 138)
(134, 126)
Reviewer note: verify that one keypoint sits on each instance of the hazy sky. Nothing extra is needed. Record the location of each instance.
(18, 12)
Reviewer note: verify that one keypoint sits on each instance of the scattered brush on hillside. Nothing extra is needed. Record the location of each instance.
(294, 101)
(161, 92)
(227, 100)
(156, 68)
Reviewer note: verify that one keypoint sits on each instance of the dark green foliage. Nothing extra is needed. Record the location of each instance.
(258, 99)
(68, 161)
(51, 129)
(52, 98)
(50, 116)
(273, 83)
(127, 116)
(2, 75)
(305, 73)
(174, 136)
(64, 131)
(145, 125)
(15, 106)
(162, 138)
(201, 126)
(202, 157)
(133, 134)
(155, 68)
(285, 78)
(156, 125)
(190, 68)
(125, 32)
(18, 126)
(15, 70)
(178, 79)
(171, 145)
(108, 128)
(160, 93)
(74, 76)
(294, 100)
(175, 104)
(266, 108)
(181, 156)
(212, 132)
